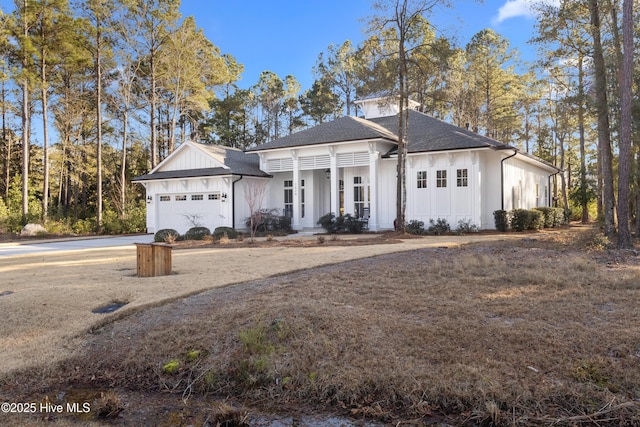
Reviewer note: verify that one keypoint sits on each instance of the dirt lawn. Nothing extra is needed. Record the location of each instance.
(47, 299)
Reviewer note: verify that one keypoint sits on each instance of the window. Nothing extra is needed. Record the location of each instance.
(537, 191)
(463, 178)
(288, 198)
(422, 179)
(441, 178)
(165, 198)
(197, 197)
(181, 198)
(214, 196)
(359, 196)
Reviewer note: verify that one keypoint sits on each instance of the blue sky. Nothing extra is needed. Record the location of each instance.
(286, 36)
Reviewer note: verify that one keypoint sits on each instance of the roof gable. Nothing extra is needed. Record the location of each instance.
(191, 156)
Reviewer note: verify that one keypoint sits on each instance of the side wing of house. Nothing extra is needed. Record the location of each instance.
(445, 185)
(526, 183)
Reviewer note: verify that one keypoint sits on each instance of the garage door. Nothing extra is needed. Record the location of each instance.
(186, 210)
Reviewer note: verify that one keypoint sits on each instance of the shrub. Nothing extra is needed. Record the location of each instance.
(501, 220)
(341, 224)
(167, 235)
(415, 227)
(221, 231)
(466, 226)
(548, 216)
(268, 220)
(536, 220)
(197, 233)
(439, 226)
(520, 219)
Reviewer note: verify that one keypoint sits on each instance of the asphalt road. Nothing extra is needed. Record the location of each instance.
(27, 248)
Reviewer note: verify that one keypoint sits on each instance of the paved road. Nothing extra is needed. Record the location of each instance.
(22, 248)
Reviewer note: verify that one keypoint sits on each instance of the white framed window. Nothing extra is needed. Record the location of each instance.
(288, 198)
(462, 176)
(181, 198)
(165, 198)
(422, 179)
(441, 178)
(197, 197)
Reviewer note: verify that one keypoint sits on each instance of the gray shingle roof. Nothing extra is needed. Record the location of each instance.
(238, 162)
(429, 134)
(425, 134)
(346, 128)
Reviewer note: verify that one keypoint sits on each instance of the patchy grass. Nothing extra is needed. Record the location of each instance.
(535, 331)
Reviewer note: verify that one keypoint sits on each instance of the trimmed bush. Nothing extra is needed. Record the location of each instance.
(536, 220)
(415, 227)
(197, 233)
(220, 231)
(520, 219)
(341, 224)
(548, 216)
(439, 226)
(501, 220)
(166, 235)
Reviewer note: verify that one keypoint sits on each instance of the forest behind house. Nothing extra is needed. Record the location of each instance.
(114, 86)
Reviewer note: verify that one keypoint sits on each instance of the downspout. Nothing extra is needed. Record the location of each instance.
(550, 200)
(233, 201)
(515, 151)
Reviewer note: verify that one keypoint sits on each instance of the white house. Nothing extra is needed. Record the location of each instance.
(348, 166)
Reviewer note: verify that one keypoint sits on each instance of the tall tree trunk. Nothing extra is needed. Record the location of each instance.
(26, 119)
(624, 160)
(604, 136)
(584, 203)
(45, 138)
(123, 167)
(99, 127)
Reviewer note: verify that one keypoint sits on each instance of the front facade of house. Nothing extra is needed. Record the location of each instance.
(348, 166)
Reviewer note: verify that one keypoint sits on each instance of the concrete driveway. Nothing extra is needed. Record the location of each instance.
(28, 248)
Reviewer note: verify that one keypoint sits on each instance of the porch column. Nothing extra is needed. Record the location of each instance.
(295, 219)
(373, 187)
(334, 193)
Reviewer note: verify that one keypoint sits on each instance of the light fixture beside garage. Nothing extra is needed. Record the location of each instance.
(149, 199)
(224, 197)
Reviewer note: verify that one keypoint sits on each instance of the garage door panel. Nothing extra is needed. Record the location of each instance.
(183, 211)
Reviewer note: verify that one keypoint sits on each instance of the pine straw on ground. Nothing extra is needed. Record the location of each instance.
(528, 332)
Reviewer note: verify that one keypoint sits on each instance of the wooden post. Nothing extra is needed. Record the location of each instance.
(153, 259)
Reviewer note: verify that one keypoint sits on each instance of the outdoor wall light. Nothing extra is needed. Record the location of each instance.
(149, 199)
(224, 197)
(327, 173)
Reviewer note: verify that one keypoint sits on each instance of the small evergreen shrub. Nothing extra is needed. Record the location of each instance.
(415, 227)
(341, 224)
(197, 233)
(536, 220)
(268, 220)
(501, 220)
(439, 226)
(220, 231)
(520, 219)
(166, 235)
(466, 226)
(547, 216)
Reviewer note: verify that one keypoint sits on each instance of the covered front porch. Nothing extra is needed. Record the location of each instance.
(308, 195)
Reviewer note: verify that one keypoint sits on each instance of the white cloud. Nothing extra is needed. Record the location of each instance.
(516, 8)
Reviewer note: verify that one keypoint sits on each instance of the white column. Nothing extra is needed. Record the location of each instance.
(295, 220)
(335, 183)
(373, 187)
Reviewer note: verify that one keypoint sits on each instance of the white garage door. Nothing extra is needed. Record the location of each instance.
(183, 211)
